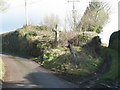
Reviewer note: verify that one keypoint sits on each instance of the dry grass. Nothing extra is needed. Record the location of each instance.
(2, 69)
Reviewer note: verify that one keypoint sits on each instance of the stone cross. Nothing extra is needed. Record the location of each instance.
(57, 33)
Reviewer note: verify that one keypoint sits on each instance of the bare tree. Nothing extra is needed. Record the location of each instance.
(51, 21)
(3, 5)
(69, 23)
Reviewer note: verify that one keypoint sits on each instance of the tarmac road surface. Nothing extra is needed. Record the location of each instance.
(24, 73)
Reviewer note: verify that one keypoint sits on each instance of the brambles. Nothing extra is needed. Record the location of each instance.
(30, 33)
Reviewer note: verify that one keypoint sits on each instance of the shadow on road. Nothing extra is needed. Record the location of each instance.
(18, 84)
(48, 79)
(39, 80)
(31, 75)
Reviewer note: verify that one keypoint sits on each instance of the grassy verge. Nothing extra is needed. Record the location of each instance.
(113, 72)
(63, 61)
(2, 69)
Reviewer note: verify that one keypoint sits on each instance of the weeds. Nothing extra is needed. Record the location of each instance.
(26, 43)
(2, 69)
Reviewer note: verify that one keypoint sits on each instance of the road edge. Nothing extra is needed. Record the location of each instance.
(2, 72)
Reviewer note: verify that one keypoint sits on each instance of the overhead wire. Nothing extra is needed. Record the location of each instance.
(28, 4)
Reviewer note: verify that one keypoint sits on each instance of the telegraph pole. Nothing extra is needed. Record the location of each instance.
(74, 12)
(26, 17)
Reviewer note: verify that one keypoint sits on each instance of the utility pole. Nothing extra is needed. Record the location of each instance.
(74, 12)
(26, 17)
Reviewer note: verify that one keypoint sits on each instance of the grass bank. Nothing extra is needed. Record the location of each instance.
(2, 69)
(61, 60)
(113, 73)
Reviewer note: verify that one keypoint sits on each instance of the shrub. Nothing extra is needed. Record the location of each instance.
(30, 33)
(97, 29)
(14, 42)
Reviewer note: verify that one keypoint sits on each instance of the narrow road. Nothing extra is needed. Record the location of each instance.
(24, 73)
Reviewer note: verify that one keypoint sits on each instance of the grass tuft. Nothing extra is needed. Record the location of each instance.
(2, 69)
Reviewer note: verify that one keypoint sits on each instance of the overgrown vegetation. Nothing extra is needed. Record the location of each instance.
(39, 46)
(113, 49)
(113, 73)
(22, 42)
(30, 43)
(61, 60)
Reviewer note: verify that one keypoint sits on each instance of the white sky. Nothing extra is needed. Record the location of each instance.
(41, 8)
(46, 7)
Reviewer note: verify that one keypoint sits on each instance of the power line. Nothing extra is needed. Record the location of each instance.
(28, 4)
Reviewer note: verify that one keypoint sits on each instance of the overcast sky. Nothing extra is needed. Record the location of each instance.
(14, 17)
